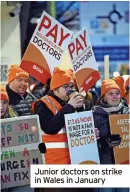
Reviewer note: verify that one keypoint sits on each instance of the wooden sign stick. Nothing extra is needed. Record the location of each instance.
(106, 66)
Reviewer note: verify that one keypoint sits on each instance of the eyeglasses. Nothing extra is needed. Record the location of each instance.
(68, 86)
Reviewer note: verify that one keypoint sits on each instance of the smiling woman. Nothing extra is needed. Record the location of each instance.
(110, 103)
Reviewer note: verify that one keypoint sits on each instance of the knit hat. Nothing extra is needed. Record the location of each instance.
(59, 78)
(108, 85)
(71, 73)
(127, 83)
(15, 71)
(120, 82)
(3, 94)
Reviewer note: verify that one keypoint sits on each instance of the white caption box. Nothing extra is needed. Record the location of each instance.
(65, 176)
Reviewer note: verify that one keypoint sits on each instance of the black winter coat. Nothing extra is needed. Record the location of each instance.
(101, 121)
(21, 104)
(50, 123)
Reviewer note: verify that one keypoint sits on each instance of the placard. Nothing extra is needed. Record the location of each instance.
(19, 149)
(46, 48)
(83, 60)
(82, 140)
(120, 124)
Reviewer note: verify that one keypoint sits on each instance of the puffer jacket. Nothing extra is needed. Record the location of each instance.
(101, 121)
(20, 104)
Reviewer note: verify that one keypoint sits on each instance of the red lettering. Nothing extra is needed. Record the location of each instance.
(63, 37)
(53, 32)
(71, 48)
(84, 38)
(21, 126)
(28, 163)
(5, 178)
(26, 126)
(78, 46)
(25, 152)
(46, 23)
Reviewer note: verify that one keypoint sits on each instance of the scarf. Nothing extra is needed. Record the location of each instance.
(108, 108)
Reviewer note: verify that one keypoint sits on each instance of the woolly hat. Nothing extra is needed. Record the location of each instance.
(71, 73)
(15, 71)
(3, 94)
(108, 85)
(127, 82)
(59, 78)
(120, 82)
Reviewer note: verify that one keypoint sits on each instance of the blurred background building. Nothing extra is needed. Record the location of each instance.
(107, 23)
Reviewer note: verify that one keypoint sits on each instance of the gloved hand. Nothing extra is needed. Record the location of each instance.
(109, 141)
(42, 147)
(113, 140)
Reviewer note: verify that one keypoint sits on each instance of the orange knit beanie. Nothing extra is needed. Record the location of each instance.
(15, 71)
(3, 94)
(59, 78)
(108, 85)
(71, 73)
(120, 82)
(127, 83)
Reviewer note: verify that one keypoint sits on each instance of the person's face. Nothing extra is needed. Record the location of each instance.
(113, 97)
(62, 92)
(3, 107)
(19, 85)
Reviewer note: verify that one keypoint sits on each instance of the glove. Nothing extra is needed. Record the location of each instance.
(113, 140)
(109, 141)
(42, 147)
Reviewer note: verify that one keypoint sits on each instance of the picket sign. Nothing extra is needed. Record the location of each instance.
(120, 124)
(19, 149)
(82, 140)
(83, 60)
(46, 48)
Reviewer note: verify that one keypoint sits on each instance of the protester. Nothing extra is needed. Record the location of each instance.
(6, 111)
(109, 103)
(19, 98)
(127, 92)
(51, 110)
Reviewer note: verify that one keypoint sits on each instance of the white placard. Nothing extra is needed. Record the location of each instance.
(83, 60)
(81, 138)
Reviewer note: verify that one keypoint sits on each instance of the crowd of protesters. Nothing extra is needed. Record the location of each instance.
(59, 97)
